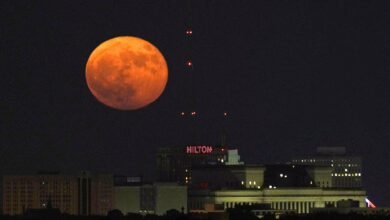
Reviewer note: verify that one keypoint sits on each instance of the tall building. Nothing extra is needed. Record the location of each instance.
(72, 194)
(174, 164)
(346, 170)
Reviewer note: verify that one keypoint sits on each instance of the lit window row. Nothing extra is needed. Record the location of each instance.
(346, 174)
(250, 183)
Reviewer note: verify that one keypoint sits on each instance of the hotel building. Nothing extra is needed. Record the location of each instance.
(174, 163)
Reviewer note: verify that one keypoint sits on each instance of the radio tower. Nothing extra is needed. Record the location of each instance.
(190, 113)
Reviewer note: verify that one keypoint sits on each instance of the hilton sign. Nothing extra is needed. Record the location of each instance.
(199, 149)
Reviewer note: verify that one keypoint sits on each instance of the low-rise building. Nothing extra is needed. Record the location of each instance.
(156, 198)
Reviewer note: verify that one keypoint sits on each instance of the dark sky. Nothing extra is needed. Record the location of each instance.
(292, 75)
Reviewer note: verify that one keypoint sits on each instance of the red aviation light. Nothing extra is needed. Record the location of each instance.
(189, 32)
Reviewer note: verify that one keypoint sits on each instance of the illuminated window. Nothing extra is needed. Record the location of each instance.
(242, 182)
(250, 182)
(254, 182)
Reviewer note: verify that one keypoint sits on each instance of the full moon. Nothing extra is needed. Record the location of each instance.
(126, 73)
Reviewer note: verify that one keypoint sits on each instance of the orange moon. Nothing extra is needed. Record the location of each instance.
(126, 73)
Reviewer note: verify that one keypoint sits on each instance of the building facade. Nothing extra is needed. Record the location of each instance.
(71, 194)
(156, 198)
(21, 193)
(283, 187)
(346, 170)
(299, 200)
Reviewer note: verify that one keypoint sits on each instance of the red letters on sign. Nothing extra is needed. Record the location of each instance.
(199, 149)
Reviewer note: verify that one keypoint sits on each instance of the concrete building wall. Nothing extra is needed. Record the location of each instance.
(150, 198)
(170, 196)
(254, 177)
(301, 200)
(127, 199)
(322, 176)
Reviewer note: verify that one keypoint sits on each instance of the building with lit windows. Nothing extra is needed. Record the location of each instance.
(284, 187)
(346, 169)
(174, 164)
(217, 177)
(83, 194)
(21, 193)
(293, 199)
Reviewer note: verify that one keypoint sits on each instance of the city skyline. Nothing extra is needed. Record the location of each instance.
(290, 76)
(212, 180)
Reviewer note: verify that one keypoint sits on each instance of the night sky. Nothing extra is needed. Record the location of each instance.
(292, 75)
